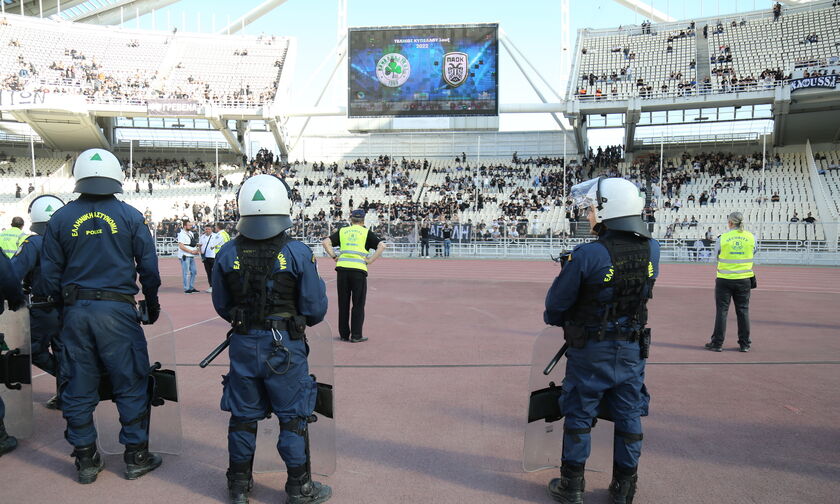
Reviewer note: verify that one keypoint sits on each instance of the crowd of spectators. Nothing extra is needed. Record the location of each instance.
(74, 73)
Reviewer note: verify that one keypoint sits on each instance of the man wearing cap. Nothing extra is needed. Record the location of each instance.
(11, 238)
(44, 317)
(351, 262)
(94, 250)
(735, 277)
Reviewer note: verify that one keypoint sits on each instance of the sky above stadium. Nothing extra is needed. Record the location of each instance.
(533, 25)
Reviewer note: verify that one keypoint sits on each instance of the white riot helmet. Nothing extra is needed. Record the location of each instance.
(40, 211)
(97, 171)
(618, 203)
(264, 207)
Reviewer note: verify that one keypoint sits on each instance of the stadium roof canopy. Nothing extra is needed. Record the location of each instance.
(106, 12)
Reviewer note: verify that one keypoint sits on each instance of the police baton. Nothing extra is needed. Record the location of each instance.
(216, 351)
(559, 355)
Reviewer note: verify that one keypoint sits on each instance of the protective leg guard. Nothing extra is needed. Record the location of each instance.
(569, 487)
(88, 463)
(240, 481)
(7, 442)
(623, 486)
(139, 460)
(300, 489)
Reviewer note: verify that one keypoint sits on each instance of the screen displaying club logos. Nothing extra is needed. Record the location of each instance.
(423, 71)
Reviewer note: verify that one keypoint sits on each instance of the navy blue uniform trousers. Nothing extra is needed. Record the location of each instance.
(263, 380)
(98, 337)
(612, 370)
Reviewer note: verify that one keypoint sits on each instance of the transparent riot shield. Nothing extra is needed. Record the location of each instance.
(321, 432)
(544, 437)
(165, 434)
(16, 372)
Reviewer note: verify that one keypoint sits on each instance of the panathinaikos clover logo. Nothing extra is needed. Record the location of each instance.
(393, 70)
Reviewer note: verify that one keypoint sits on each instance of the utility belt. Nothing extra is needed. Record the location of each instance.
(41, 303)
(73, 293)
(577, 336)
(294, 326)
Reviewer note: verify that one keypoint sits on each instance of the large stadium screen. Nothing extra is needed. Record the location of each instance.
(423, 71)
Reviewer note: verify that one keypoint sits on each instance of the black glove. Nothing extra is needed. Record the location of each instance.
(152, 309)
(15, 302)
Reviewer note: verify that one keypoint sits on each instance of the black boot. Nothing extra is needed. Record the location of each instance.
(53, 403)
(300, 489)
(569, 487)
(139, 460)
(623, 486)
(240, 481)
(7, 442)
(88, 463)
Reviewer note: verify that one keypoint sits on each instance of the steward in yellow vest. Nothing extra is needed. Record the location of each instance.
(10, 239)
(735, 279)
(351, 264)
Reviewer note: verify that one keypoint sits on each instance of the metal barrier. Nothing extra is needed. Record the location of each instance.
(404, 244)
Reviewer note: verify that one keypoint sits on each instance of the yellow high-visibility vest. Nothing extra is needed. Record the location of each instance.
(352, 253)
(225, 238)
(736, 255)
(10, 240)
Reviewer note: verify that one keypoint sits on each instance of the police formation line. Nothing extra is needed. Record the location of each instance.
(77, 274)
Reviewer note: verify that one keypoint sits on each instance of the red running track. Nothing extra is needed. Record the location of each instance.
(431, 409)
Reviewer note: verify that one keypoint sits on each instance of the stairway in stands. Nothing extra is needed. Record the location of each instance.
(703, 66)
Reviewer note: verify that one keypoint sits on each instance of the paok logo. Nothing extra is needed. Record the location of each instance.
(393, 70)
(456, 68)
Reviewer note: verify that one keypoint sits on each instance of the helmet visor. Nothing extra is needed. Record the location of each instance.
(585, 194)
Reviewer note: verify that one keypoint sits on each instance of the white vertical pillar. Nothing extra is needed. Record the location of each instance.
(41, 9)
(661, 163)
(565, 166)
(32, 150)
(131, 158)
(218, 190)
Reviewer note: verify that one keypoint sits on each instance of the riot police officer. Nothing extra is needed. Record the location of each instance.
(600, 299)
(267, 286)
(94, 248)
(44, 320)
(10, 293)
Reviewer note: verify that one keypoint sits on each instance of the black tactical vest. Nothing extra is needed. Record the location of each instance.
(630, 278)
(258, 292)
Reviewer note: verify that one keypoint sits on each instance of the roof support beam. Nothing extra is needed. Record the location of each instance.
(251, 16)
(229, 135)
(110, 15)
(646, 10)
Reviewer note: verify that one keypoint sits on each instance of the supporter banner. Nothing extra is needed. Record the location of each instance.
(823, 81)
(21, 99)
(460, 232)
(173, 107)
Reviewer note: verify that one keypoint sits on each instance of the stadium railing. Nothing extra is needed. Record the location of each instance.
(507, 243)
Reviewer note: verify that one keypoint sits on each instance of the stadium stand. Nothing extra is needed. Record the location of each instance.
(749, 52)
(501, 198)
(107, 64)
